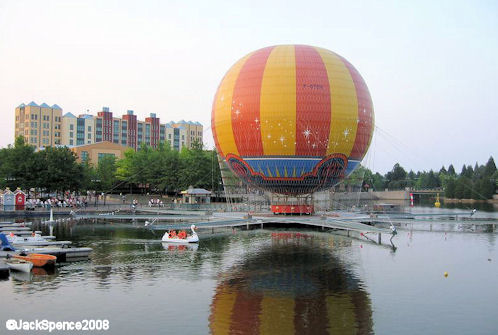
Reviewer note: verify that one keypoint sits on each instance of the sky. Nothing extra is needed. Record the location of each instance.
(431, 66)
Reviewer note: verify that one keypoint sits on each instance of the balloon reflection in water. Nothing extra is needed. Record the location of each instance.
(292, 287)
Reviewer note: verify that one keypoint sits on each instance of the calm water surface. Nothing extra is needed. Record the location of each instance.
(271, 281)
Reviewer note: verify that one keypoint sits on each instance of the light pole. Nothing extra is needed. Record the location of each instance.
(95, 192)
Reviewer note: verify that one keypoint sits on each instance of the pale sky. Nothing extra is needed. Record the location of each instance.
(431, 66)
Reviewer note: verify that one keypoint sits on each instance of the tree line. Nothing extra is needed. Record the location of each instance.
(478, 182)
(158, 170)
(164, 170)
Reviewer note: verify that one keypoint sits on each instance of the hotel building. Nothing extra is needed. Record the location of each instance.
(43, 125)
(39, 124)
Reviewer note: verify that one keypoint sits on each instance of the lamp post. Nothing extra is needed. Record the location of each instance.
(94, 192)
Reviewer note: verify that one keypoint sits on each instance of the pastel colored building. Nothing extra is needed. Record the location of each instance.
(95, 152)
(43, 125)
(78, 130)
(39, 124)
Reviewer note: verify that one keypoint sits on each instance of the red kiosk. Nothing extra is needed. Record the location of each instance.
(20, 199)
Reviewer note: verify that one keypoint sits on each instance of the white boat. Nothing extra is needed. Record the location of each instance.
(189, 239)
(34, 240)
(19, 264)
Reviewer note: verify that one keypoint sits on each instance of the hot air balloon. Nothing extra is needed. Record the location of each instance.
(292, 119)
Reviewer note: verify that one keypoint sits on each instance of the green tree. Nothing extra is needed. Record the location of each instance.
(106, 172)
(379, 182)
(459, 188)
(396, 178)
(451, 170)
(18, 165)
(60, 170)
(449, 190)
(490, 167)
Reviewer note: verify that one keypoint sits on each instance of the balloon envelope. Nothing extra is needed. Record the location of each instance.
(292, 119)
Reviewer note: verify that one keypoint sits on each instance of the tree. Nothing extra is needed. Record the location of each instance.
(18, 166)
(379, 182)
(459, 188)
(196, 171)
(490, 167)
(396, 178)
(106, 172)
(60, 170)
(165, 168)
(449, 191)
(451, 170)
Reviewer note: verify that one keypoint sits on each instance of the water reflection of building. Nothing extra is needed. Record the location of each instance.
(290, 289)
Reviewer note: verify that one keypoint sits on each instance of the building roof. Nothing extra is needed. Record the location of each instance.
(55, 106)
(21, 105)
(198, 123)
(196, 191)
(44, 105)
(68, 114)
(33, 104)
(86, 116)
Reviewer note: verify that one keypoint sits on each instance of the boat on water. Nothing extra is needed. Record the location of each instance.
(14, 224)
(38, 260)
(181, 237)
(19, 264)
(64, 253)
(34, 239)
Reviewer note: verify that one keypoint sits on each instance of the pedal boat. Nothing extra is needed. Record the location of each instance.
(189, 239)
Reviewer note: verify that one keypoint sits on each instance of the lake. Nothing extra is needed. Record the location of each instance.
(270, 281)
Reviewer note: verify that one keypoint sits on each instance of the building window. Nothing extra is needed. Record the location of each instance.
(89, 136)
(89, 128)
(71, 127)
(84, 156)
(71, 134)
(71, 142)
(104, 154)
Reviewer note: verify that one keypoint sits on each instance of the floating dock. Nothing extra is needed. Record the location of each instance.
(259, 222)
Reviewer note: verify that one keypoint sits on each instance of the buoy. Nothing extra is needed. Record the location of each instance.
(446, 274)
(361, 245)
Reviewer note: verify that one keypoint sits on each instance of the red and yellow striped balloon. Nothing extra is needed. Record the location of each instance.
(292, 118)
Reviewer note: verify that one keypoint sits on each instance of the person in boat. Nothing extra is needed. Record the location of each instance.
(172, 234)
(182, 234)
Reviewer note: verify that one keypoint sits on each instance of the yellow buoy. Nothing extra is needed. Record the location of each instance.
(437, 203)
(446, 274)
